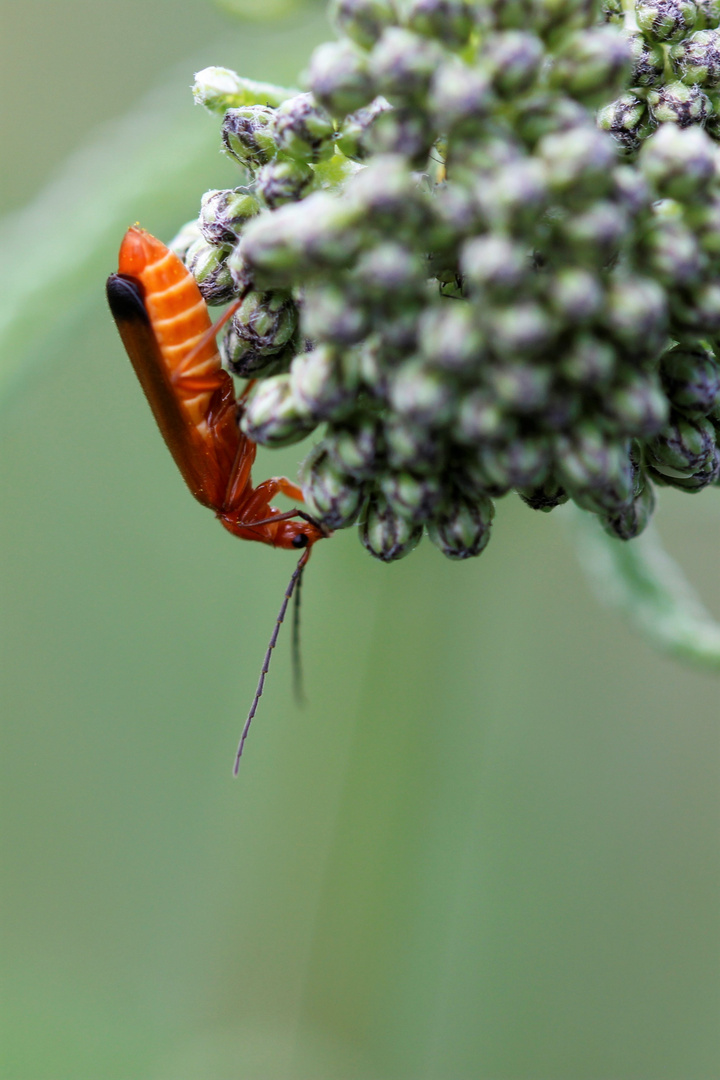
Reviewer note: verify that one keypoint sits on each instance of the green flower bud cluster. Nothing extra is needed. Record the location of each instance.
(469, 271)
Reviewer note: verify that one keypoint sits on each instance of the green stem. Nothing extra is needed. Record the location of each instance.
(641, 580)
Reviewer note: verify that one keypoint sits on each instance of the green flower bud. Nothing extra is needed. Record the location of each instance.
(404, 130)
(708, 14)
(385, 534)
(217, 88)
(303, 130)
(410, 446)
(462, 529)
(284, 181)
(594, 236)
(697, 59)
(260, 328)
(522, 329)
(403, 63)
(520, 387)
(630, 189)
(666, 20)
(481, 419)
(448, 21)
(223, 215)
(596, 471)
(324, 382)
(588, 362)
(387, 194)
(636, 310)
(331, 495)
(679, 104)
(449, 338)
(271, 416)
(611, 11)
(521, 464)
(363, 21)
(339, 78)
(208, 265)
(460, 97)
(680, 164)
(185, 238)
(495, 266)
(671, 252)
(627, 120)
(318, 233)
(687, 444)
(636, 405)
(357, 448)
(248, 135)
(545, 496)
(354, 135)
(699, 310)
(575, 295)
(579, 162)
(648, 62)
(420, 394)
(592, 65)
(513, 59)
(697, 481)
(691, 377)
(547, 114)
(329, 314)
(632, 519)
(513, 196)
(389, 271)
(415, 498)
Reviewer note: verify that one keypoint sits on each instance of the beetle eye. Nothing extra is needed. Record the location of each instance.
(300, 541)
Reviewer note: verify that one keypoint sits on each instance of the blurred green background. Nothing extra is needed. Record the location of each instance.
(487, 849)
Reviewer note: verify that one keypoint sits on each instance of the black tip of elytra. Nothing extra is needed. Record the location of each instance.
(126, 300)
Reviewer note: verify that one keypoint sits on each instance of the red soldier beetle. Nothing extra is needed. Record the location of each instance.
(167, 332)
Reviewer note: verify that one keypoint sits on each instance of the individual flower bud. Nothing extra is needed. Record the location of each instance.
(520, 387)
(513, 196)
(594, 236)
(330, 314)
(494, 265)
(708, 14)
(304, 130)
(318, 233)
(218, 89)
(547, 114)
(261, 327)
(448, 21)
(239, 271)
(223, 215)
(413, 497)
(579, 162)
(339, 79)
(596, 471)
(575, 295)
(460, 97)
(421, 395)
(679, 104)
(449, 338)
(402, 64)
(611, 11)
(588, 362)
(385, 534)
(545, 496)
(636, 405)
(520, 464)
(410, 446)
(680, 164)
(331, 495)
(481, 419)
(687, 444)
(462, 528)
(630, 521)
(387, 194)
(698, 310)
(671, 251)
(363, 21)
(355, 129)
(183, 241)
(703, 217)
(404, 130)
(666, 20)
(591, 64)
(389, 270)
(636, 310)
(248, 135)
(696, 60)
(357, 448)
(697, 481)
(284, 181)
(691, 377)
(514, 59)
(630, 189)
(522, 329)
(627, 120)
(208, 265)
(648, 62)
(271, 416)
(324, 382)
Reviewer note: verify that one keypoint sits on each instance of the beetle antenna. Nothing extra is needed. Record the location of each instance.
(292, 584)
(298, 691)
